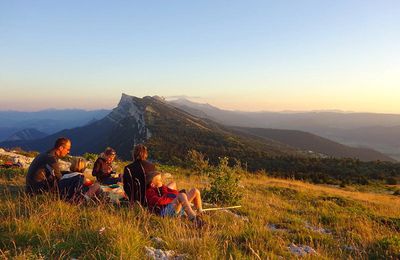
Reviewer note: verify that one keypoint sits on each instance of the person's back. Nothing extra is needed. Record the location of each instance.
(134, 177)
(134, 180)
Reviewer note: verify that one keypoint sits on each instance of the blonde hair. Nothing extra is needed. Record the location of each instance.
(139, 152)
(78, 164)
(150, 177)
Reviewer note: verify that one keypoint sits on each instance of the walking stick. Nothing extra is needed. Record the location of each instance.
(213, 209)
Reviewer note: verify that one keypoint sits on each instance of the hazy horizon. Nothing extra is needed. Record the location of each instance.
(245, 56)
(195, 101)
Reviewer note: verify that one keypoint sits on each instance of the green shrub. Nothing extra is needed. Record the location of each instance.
(225, 186)
(11, 173)
(386, 248)
(90, 156)
(197, 161)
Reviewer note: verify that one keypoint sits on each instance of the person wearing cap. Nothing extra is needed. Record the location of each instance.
(102, 168)
(169, 202)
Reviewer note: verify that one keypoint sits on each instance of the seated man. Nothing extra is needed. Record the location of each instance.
(44, 171)
(169, 202)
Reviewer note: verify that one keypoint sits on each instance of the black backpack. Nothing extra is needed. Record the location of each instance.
(134, 180)
(50, 177)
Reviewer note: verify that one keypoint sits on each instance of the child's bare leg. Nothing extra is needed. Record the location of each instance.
(182, 201)
(172, 185)
(194, 195)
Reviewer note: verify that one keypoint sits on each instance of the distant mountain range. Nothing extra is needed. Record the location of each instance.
(170, 132)
(47, 121)
(365, 130)
(26, 134)
(313, 143)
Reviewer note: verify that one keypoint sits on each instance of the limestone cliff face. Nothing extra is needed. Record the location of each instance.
(168, 131)
(130, 113)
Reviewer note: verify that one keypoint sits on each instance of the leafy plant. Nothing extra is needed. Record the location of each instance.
(386, 246)
(11, 173)
(225, 186)
(197, 161)
(90, 156)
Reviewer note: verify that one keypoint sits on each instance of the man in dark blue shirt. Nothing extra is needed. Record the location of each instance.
(44, 171)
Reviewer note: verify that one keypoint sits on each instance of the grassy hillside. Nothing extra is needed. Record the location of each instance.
(307, 141)
(337, 223)
(174, 132)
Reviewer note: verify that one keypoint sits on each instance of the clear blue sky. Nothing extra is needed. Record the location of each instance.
(247, 55)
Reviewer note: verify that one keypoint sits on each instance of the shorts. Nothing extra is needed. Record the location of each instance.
(169, 211)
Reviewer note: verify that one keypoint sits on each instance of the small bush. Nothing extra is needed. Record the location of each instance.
(197, 161)
(11, 173)
(90, 156)
(386, 248)
(224, 184)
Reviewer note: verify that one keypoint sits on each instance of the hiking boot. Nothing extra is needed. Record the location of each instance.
(198, 222)
(200, 213)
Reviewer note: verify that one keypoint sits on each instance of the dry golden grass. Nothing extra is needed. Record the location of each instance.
(358, 224)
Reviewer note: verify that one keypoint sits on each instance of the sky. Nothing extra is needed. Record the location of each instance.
(240, 55)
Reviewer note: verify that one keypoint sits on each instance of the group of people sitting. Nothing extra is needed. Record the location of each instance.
(141, 181)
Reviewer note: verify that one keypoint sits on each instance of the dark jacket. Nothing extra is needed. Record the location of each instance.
(102, 169)
(134, 180)
(43, 173)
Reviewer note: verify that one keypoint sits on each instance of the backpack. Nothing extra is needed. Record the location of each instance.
(134, 180)
(50, 177)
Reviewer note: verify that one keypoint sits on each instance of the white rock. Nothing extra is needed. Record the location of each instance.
(318, 229)
(274, 228)
(244, 218)
(309, 250)
(301, 250)
(24, 160)
(349, 248)
(158, 254)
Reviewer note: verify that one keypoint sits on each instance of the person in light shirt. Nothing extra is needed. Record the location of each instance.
(73, 186)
